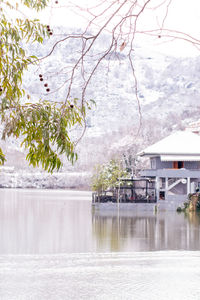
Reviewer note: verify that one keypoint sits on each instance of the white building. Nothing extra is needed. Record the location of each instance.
(175, 167)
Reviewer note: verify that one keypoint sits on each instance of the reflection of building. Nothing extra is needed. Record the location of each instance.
(145, 231)
(175, 166)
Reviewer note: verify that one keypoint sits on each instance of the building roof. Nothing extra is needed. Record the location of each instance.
(178, 145)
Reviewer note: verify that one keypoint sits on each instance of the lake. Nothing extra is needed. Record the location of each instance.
(54, 246)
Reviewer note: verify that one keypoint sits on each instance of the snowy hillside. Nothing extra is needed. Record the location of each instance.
(168, 91)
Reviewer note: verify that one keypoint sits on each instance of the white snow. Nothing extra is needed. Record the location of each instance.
(178, 143)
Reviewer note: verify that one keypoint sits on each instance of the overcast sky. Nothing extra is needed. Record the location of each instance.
(183, 15)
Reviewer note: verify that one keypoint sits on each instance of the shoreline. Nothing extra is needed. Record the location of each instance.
(43, 180)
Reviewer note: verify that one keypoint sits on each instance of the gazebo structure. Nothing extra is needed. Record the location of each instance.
(175, 167)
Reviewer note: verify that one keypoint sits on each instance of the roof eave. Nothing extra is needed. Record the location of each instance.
(169, 154)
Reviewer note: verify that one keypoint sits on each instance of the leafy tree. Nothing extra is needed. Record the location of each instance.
(44, 126)
(108, 175)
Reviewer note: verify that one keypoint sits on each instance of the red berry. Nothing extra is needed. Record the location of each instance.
(1, 90)
(51, 33)
(56, 2)
(41, 79)
(40, 75)
(46, 84)
(48, 29)
(48, 90)
(48, 26)
(71, 105)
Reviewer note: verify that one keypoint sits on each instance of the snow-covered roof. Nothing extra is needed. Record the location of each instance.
(181, 143)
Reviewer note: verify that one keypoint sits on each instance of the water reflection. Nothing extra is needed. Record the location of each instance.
(44, 222)
(50, 222)
(126, 231)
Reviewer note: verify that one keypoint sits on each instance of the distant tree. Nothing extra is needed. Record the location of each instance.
(108, 175)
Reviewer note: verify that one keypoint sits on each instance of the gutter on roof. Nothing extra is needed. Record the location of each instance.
(168, 154)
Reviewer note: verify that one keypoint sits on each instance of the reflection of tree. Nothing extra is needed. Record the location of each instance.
(146, 232)
(193, 217)
(113, 232)
(107, 229)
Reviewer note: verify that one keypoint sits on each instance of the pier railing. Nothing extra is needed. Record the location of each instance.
(125, 195)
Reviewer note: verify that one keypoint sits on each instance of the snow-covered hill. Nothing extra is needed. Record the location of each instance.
(168, 92)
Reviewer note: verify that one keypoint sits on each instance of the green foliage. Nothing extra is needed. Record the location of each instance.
(190, 196)
(108, 176)
(186, 205)
(184, 208)
(2, 157)
(13, 57)
(36, 4)
(193, 201)
(44, 126)
(179, 209)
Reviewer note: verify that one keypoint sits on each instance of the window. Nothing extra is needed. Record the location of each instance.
(178, 164)
(162, 196)
(153, 163)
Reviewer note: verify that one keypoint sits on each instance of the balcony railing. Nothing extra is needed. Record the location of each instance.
(172, 173)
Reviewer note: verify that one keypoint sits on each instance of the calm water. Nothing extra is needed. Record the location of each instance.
(52, 246)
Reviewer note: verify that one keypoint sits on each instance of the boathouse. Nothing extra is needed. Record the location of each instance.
(175, 167)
